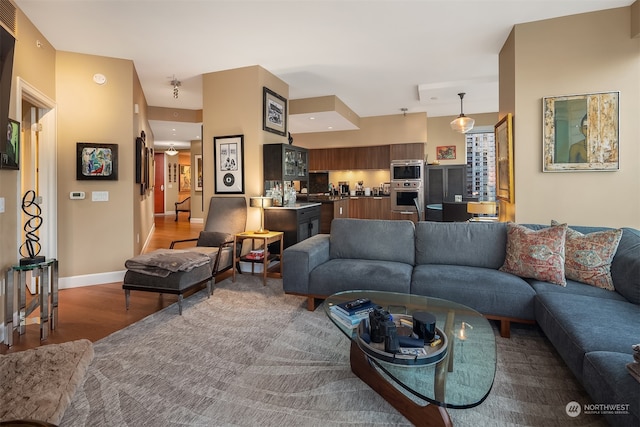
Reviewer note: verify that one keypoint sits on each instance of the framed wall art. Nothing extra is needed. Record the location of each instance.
(446, 152)
(10, 155)
(274, 112)
(185, 177)
(229, 164)
(581, 132)
(197, 172)
(504, 159)
(96, 161)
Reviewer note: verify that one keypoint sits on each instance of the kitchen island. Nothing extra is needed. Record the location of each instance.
(298, 221)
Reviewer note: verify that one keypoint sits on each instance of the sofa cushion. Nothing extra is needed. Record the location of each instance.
(607, 381)
(338, 275)
(383, 240)
(576, 288)
(472, 244)
(588, 256)
(579, 324)
(536, 254)
(485, 290)
(625, 267)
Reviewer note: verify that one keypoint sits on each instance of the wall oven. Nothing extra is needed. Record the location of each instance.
(403, 193)
(402, 170)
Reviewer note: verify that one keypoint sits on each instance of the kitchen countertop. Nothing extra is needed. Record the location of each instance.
(298, 205)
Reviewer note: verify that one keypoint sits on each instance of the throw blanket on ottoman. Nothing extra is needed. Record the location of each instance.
(163, 262)
(38, 384)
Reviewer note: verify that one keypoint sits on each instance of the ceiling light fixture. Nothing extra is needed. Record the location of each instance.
(176, 84)
(171, 151)
(404, 111)
(462, 124)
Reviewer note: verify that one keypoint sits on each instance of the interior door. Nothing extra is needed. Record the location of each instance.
(158, 188)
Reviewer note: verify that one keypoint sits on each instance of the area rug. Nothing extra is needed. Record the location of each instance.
(251, 356)
(38, 384)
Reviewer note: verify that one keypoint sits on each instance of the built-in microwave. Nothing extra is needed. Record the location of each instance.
(402, 170)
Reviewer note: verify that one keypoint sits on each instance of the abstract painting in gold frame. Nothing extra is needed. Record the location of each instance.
(504, 159)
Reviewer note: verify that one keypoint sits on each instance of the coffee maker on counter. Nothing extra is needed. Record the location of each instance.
(343, 188)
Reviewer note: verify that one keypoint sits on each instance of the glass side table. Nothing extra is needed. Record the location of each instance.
(46, 299)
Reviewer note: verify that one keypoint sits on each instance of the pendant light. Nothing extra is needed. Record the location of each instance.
(462, 123)
(171, 151)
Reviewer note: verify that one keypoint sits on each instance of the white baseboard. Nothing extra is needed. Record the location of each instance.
(90, 279)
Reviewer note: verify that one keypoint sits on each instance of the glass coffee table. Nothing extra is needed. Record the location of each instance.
(462, 378)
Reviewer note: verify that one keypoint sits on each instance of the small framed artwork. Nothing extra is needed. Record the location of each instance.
(446, 152)
(274, 112)
(10, 156)
(140, 155)
(229, 164)
(185, 177)
(96, 161)
(197, 172)
(581, 132)
(504, 159)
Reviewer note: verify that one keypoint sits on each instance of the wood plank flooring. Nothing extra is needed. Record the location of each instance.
(93, 312)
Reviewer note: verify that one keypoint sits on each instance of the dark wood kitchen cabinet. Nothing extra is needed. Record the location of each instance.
(409, 151)
(297, 223)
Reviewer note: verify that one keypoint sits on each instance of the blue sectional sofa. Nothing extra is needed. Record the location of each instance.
(592, 328)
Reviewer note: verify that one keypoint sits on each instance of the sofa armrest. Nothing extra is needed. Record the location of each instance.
(300, 259)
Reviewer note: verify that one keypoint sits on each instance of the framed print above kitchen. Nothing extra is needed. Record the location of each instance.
(581, 132)
(274, 112)
(229, 164)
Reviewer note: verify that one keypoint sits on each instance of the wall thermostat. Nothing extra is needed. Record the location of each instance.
(76, 195)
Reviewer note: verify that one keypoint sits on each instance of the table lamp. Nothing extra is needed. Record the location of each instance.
(261, 202)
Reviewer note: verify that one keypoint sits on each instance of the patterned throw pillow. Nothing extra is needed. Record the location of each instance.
(588, 257)
(536, 254)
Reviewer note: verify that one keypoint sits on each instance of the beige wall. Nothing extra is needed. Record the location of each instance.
(572, 55)
(94, 237)
(232, 105)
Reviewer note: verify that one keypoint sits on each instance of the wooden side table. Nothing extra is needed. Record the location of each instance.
(266, 238)
(47, 300)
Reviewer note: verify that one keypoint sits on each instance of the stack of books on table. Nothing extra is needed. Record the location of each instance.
(256, 255)
(350, 313)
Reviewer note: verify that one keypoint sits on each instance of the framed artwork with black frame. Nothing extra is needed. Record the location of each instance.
(581, 132)
(229, 164)
(10, 157)
(96, 162)
(274, 112)
(197, 174)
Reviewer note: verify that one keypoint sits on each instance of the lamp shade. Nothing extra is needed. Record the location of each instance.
(462, 124)
(261, 202)
(481, 208)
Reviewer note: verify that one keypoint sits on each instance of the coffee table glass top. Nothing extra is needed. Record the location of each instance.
(463, 378)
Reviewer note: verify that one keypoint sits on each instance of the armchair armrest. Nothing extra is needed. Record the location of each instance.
(173, 243)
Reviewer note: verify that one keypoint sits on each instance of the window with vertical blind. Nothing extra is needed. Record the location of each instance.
(481, 164)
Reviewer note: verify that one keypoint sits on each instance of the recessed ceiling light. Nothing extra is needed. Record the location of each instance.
(330, 127)
(312, 118)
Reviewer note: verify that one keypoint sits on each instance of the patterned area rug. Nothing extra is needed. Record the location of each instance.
(251, 355)
(38, 384)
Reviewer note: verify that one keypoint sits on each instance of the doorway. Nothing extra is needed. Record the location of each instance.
(38, 168)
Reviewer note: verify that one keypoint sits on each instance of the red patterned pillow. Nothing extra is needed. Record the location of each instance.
(588, 257)
(536, 254)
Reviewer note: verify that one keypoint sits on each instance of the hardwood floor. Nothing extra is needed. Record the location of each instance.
(93, 312)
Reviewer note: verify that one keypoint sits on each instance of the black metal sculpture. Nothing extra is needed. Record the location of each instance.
(32, 241)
